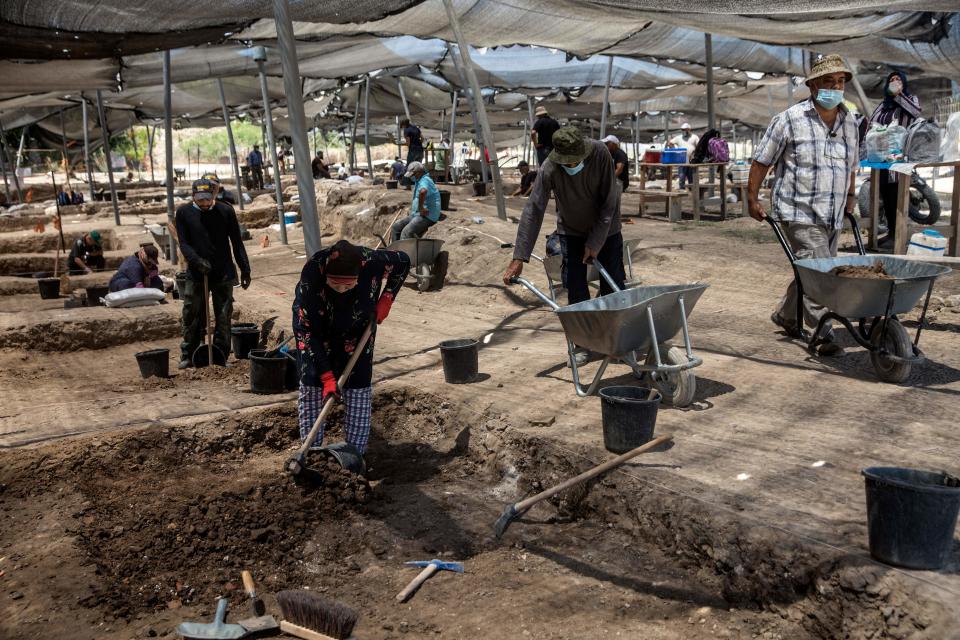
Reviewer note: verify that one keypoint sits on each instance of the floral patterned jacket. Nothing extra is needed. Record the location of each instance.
(328, 325)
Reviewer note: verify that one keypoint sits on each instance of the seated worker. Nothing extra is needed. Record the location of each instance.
(76, 197)
(63, 198)
(138, 271)
(397, 169)
(526, 179)
(342, 172)
(86, 254)
(318, 167)
(338, 295)
(424, 209)
(222, 194)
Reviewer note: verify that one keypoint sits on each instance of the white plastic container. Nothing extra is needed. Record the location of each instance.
(927, 243)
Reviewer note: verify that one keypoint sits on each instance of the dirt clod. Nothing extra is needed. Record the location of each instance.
(876, 271)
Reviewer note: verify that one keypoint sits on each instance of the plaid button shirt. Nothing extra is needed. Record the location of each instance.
(813, 164)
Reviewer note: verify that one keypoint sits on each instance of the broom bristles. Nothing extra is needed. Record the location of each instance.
(313, 611)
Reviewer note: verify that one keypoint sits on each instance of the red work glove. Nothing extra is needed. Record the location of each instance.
(329, 386)
(383, 306)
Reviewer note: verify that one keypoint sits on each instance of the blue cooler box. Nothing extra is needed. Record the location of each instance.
(674, 156)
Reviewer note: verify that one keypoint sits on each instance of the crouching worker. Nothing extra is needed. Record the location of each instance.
(341, 290)
(138, 271)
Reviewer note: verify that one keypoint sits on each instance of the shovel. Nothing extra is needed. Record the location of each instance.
(297, 465)
(216, 630)
(514, 511)
(205, 355)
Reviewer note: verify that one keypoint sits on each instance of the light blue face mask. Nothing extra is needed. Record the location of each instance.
(829, 98)
(572, 171)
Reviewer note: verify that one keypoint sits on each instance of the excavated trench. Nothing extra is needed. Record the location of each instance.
(170, 516)
(49, 241)
(26, 264)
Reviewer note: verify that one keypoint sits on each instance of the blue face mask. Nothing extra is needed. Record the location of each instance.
(829, 98)
(572, 171)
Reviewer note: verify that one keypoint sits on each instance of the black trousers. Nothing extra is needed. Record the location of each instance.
(888, 197)
(575, 272)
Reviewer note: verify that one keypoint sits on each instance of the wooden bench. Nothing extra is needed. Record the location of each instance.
(671, 198)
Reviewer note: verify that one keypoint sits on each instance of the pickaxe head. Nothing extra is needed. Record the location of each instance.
(440, 564)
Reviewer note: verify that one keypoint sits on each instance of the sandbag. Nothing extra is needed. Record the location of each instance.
(922, 143)
(136, 297)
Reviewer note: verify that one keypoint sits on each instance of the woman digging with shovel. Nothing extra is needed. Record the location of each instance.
(337, 299)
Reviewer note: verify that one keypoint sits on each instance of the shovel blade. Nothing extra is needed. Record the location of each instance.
(508, 516)
(261, 624)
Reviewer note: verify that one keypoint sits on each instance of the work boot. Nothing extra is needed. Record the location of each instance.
(186, 363)
(790, 329)
(830, 349)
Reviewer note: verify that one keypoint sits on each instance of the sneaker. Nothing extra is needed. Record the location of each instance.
(830, 349)
(186, 363)
(886, 242)
(789, 329)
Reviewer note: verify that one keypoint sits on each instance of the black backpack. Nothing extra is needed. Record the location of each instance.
(702, 152)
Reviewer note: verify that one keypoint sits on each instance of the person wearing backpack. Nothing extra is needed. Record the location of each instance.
(814, 148)
(900, 107)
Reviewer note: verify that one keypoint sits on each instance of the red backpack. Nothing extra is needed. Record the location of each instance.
(718, 150)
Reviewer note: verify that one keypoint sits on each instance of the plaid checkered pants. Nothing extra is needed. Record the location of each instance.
(357, 428)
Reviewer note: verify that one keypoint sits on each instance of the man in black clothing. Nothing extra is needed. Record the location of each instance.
(319, 167)
(542, 134)
(621, 163)
(86, 254)
(526, 179)
(414, 138)
(207, 231)
(255, 162)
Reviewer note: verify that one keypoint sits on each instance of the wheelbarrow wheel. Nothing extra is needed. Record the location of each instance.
(898, 343)
(424, 276)
(678, 387)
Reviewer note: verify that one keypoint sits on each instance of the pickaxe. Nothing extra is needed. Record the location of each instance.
(430, 568)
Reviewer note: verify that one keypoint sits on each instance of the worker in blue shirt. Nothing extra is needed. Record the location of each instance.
(255, 162)
(424, 208)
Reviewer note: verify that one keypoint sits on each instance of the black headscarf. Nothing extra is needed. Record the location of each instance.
(889, 99)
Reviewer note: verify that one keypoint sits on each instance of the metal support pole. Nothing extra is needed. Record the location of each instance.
(636, 141)
(606, 98)
(399, 138)
(789, 77)
(481, 110)
(233, 147)
(865, 103)
(271, 144)
(168, 151)
(106, 152)
(403, 98)
(16, 167)
(353, 133)
(452, 159)
(63, 142)
(666, 129)
(533, 150)
(484, 169)
(4, 163)
(711, 112)
(298, 127)
(86, 145)
(366, 126)
(151, 137)
(136, 151)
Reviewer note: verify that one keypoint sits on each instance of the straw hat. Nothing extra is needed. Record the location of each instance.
(540, 111)
(829, 64)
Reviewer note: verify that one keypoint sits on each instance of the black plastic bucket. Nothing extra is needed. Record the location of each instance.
(479, 189)
(155, 362)
(460, 360)
(244, 337)
(49, 288)
(391, 184)
(911, 515)
(267, 375)
(444, 200)
(628, 417)
(121, 195)
(94, 294)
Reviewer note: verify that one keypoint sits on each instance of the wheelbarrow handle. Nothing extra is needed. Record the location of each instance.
(783, 241)
(855, 226)
(529, 285)
(603, 273)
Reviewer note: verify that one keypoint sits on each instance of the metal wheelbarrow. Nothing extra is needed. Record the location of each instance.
(873, 303)
(633, 325)
(428, 264)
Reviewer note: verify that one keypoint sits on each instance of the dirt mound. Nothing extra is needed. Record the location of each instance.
(16, 263)
(874, 272)
(49, 241)
(27, 220)
(88, 328)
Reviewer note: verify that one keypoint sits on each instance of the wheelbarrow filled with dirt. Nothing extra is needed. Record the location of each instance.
(634, 326)
(871, 291)
(428, 264)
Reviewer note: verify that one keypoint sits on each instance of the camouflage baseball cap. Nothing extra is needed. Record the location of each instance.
(569, 146)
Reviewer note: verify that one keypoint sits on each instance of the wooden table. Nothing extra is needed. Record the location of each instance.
(903, 225)
(721, 168)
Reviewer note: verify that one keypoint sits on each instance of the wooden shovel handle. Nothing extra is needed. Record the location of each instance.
(328, 405)
(523, 505)
(248, 583)
(424, 575)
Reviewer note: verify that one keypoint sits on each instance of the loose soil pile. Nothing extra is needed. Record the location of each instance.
(874, 272)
